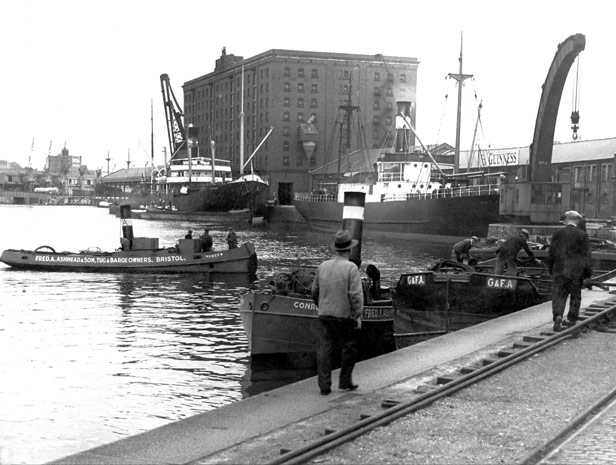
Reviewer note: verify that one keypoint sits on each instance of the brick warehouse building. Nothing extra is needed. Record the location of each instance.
(286, 90)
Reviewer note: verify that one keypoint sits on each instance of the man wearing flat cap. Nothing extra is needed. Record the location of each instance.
(508, 252)
(569, 262)
(461, 250)
(337, 291)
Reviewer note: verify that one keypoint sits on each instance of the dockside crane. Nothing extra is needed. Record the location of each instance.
(537, 199)
(174, 118)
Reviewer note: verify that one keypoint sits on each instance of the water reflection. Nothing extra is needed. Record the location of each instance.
(89, 358)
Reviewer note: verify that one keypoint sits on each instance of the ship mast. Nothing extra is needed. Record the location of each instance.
(151, 144)
(242, 126)
(348, 111)
(460, 77)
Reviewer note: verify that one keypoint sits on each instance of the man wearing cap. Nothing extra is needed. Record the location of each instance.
(569, 263)
(461, 249)
(507, 253)
(337, 291)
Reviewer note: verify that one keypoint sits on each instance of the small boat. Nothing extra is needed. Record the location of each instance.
(603, 259)
(148, 259)
(137, 254)
(451, 295)
(283, 319)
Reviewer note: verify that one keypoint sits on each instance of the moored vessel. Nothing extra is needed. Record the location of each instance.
(409, 194)
(283, 319)
(137, 254)
(451, 295)
(206, 184)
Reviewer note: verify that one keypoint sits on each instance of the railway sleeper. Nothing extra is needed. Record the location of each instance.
(533, 339)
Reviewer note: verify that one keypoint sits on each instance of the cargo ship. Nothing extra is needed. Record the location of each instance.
(409, 195)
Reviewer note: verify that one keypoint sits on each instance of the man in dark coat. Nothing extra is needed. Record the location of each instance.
(569, 262)
(206, 241)
(507, 253)
(231, 239)
(461, 249)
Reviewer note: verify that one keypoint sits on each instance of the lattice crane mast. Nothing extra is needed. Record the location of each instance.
(174, 117)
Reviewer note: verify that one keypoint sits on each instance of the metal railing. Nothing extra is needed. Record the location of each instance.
(464, 191)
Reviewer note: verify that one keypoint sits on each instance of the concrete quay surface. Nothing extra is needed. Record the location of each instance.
(255, 429)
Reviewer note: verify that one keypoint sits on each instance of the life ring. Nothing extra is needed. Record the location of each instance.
(451, 265)
(43, 247)
(264, 307)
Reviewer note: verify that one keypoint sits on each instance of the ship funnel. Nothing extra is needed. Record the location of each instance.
(127, 223)
(353, 221)
(403, 126)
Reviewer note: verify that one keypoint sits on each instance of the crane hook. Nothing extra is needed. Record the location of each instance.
(575, 123)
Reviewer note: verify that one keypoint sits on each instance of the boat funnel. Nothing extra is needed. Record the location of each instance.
(403, 126)
(353, 221)
(127, 223)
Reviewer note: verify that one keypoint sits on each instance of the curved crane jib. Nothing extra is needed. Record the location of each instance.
(545, 125)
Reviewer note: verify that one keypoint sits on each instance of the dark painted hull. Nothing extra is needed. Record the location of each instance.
(278, 324)
(445, 217)
(168, 260)
(234, 216)
(433, 301)
(222, 198)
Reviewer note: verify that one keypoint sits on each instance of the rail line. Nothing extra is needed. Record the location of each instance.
(586, 417)
(595, 315)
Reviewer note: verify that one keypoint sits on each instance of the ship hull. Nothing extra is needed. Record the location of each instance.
(452, 299)
(277, 324)
(222, 198)
(443, 218)
(167, 260)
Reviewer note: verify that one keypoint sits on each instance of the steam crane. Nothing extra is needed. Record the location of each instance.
(174, 117)
(538, 199)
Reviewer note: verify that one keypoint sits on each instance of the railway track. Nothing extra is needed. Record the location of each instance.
(573, 428)
(595, 316)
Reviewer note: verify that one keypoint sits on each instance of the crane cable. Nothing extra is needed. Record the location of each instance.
(575, 113)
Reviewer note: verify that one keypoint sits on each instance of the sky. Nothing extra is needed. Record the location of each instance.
(86, 75)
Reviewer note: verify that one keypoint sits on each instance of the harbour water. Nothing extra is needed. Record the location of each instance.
(88, 358)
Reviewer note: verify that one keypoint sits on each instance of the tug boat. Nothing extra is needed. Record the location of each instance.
(138, 254)
(282, 321)
(451, 295)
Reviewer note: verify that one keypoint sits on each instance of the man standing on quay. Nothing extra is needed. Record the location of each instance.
(337, 291)
(569, 262)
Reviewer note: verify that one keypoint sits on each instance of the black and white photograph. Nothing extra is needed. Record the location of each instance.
(307, 232)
